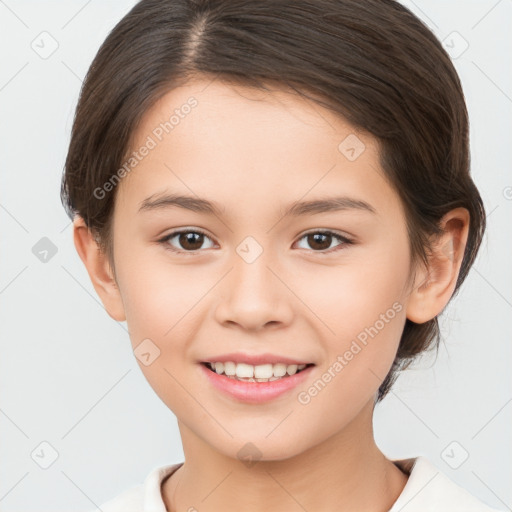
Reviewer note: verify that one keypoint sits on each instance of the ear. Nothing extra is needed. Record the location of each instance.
(435, 284)
(99, 269)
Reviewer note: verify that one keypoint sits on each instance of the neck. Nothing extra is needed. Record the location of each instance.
(345, 472)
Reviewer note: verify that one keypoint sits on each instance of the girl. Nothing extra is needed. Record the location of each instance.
(217, 147)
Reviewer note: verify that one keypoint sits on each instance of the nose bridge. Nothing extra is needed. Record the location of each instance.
(255, 296)
(251, 277)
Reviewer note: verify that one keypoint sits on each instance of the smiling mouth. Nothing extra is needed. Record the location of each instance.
(261, 373)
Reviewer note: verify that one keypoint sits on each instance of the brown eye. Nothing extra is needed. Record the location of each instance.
(321, 241)
(186, 241)
(191, 241)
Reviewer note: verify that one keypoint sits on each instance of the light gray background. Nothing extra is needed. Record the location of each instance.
(67, 373)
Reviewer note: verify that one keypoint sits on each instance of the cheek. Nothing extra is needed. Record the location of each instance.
(376, 306)
(353, 295)
(156, 292)
(159, 304)
(361, 306)
(163, 302)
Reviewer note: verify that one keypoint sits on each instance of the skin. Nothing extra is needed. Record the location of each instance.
(254, 152)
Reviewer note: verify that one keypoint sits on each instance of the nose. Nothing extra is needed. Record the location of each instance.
(255, 295)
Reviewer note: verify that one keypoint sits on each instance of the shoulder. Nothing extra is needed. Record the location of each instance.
(429, 489)
(146, 497)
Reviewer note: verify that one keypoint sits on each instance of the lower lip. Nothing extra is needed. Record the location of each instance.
(255, 392)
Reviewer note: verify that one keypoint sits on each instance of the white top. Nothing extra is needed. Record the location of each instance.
(426, 490)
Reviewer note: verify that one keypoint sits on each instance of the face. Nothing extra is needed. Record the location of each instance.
(326, 286)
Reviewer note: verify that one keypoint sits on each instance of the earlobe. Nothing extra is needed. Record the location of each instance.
(434, 286)
(99, 270)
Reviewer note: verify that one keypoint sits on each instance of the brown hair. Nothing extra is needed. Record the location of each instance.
(372, 62)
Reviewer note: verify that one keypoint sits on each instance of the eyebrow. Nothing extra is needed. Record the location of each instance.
(295, 209)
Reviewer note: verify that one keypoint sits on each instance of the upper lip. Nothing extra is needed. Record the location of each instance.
(254, 359)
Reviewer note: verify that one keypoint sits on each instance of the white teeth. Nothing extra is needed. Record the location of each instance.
(229, 368)
(279, 370)
(244, 370)
(263, 371)
(260, 373)
(291, 369)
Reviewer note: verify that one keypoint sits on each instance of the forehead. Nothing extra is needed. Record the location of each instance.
(241, 145)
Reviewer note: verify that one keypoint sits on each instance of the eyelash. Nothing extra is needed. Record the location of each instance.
(164, 241)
